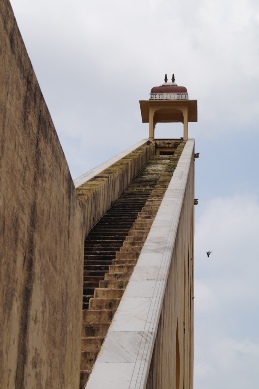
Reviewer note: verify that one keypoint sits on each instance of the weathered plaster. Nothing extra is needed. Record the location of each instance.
(41, 232)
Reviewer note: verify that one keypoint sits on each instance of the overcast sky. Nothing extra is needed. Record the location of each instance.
(95, 60)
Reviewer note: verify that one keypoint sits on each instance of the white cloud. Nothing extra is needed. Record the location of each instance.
(100, 55)
(229, 225)
(204, 370)
(227, 293)
(230, 363)
(207, 300)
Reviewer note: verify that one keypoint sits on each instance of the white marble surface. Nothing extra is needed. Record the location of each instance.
(124, 360)
(88, 175)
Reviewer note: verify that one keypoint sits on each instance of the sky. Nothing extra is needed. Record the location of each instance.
(95, 60)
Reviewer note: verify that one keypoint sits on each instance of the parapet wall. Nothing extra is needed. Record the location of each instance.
(98, 192)
(172, 357)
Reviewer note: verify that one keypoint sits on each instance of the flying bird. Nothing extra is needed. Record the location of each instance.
(208, 253)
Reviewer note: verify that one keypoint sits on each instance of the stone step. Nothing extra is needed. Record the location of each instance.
(120, 219)
(92, 257)
(114, 213)
(96, 244)
(94, 329)
(118, 224)
(143, 224)
(121, 268)
(146, 212)
(108, 293)
(87, 359)
(130, 193)
(117, 276)
(88, 287)
(148, 216)
(92, 262)
(106, 233)
(93, 279)
(101, 253)
(119, 209)
(97, 315)
(92, 344)
(113, 284)
(107, 229)
(104, 303)
(102, 247)
(95, 273)
(127, 194)
(138, 233)
(122, 227)
(127, 255)
(138, 239)
(96, 267)
(124, 261)
(128, 207)
(129, 247)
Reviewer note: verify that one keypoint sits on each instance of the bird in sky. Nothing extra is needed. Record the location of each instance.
(208, 253)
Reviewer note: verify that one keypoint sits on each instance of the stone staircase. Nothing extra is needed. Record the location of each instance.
(112, 248)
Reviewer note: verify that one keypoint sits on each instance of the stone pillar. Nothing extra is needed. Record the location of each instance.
(151, 124)
(185, 123)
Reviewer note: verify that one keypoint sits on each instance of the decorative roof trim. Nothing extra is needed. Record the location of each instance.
(169, 96)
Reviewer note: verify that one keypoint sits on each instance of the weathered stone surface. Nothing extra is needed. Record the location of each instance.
(91, 344)
(103, 303)
(41, 232)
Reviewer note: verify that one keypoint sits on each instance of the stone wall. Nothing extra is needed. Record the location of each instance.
(41, 232)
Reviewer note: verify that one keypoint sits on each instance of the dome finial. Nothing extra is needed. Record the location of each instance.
(173, 78)
(166, 78)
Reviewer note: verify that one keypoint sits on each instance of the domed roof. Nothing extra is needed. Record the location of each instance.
(169, 91)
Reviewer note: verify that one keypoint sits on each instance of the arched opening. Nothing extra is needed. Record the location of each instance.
(168, 130)
(168, 123)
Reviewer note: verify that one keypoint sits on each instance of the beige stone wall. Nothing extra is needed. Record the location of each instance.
(172, 360)
(41, 233)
